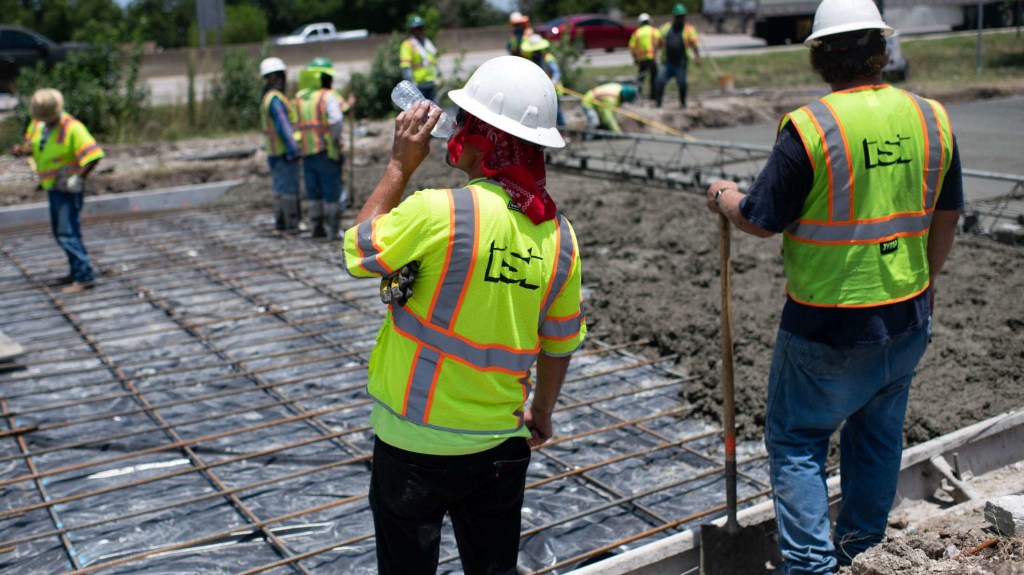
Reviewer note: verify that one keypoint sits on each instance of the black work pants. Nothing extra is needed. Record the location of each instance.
(482, 492)
(647, 68)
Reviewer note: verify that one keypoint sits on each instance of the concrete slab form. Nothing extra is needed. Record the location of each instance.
(178, 197)
(994, 201)
(203, 409)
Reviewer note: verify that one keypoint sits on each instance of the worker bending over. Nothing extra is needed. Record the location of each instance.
(865, 184)
(450, 382)
(599, 105)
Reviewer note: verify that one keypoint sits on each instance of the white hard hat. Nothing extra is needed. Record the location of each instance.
(517, 18)
(838, 16)
(514, 95)
(645, 17)
(271, 65)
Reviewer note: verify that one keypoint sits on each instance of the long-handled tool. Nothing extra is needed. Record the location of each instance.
(730, 549)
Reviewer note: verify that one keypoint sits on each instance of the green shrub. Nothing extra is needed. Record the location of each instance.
(569, 55)
(373, 90)
(236, 92)
(101, 87)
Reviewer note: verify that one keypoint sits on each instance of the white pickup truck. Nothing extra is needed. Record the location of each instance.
(319, 32)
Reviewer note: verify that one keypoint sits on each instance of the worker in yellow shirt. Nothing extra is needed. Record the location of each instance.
(417, 58)
(456, 407)
(64, 153)
(599, 105)
(679, 41)
(644, 45)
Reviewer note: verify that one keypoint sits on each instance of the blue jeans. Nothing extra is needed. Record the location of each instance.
(813, 389)
(284, 175)
(66, 224)
(323, 178)
(671, 71)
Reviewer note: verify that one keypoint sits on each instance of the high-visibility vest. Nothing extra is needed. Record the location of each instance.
(273, 145)
(880, 156)
(515, 43)
(69, 145)
(644, 42)
(493, 290)
(422, 62)
(313, 131)
(690, 39)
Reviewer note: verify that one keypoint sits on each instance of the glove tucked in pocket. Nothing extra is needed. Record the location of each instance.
(396, 288)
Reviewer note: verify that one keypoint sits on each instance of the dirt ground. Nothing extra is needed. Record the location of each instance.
(651, 270)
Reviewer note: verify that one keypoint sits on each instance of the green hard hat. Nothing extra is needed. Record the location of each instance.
(679, 10)
(416, 22)
(321, 65)
(628, 92)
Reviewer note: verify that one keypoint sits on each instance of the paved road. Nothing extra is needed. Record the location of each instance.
(174, 89)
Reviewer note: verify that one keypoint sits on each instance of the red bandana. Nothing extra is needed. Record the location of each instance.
(515, 164)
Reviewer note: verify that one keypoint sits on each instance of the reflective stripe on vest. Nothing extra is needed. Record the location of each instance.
(436, 342)
(842, 185)
(314, 131)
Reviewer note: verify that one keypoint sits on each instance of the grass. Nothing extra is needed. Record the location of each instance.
(936, 65)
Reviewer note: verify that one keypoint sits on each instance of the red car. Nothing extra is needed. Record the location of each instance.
(596, 30)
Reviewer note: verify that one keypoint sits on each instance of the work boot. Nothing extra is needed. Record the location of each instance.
(279, 215)
(332, 219)
(78, 287)
(61, 281)
(290, 210)
(316, 219)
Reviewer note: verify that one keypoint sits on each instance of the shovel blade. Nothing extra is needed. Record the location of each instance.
(732, 550)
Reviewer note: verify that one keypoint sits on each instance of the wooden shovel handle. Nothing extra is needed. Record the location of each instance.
(728, 404)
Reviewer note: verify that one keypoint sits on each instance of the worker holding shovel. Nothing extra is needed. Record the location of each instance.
(865, 184)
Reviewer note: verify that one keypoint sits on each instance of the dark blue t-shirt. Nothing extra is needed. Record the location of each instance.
(776, 199)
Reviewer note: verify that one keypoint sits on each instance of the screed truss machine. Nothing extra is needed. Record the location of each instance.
(994, 201)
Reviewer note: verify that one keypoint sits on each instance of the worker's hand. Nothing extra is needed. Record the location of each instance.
(20, 150)
(76, 184)
(412, 136)
(713, 206)
(539, 424)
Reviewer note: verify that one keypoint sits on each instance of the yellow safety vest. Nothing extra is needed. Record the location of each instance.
(423, 69)
(68, 145)
(609, 94)
(313, 132)
(438, 362)
(644, 42)
(690, 39)
(273, 145)
(880, 155)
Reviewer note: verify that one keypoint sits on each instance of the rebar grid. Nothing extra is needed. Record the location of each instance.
(218, 378)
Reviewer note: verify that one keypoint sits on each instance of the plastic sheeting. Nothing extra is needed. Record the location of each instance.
(203, 410)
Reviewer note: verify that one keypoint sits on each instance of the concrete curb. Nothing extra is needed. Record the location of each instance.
(154, 200)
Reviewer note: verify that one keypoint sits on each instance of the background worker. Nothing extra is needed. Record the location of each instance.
(520, 32)
(278, 116)
(417, 57)
(680, 43)
(535, 49)
(599, 105)
(644, 45)
(64, 153)
(453, 431)
(865, 184)
(321, 118)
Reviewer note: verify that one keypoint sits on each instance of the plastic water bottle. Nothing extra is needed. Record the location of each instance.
(406, 94)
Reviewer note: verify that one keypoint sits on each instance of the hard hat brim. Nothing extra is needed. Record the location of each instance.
(816, 37)
(547, 137)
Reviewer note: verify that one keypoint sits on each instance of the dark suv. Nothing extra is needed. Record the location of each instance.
(22, 47)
